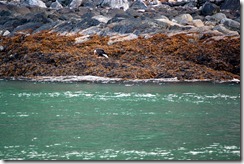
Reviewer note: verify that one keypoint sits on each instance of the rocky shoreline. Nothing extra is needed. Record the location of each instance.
(144, 40)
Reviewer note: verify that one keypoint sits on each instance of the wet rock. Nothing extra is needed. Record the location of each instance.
(209, 9)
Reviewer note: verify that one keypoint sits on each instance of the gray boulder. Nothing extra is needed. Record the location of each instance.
(138, 4)
(37, 3)
(13, 23)
(198, 23)
(224, 30)
(41, 17)
(139, 26)
(209, 9)
(231, 5)
(216, 17)
(118, 4)
(75, 4)
(91, 3)
(184, 19)
(85, 23)
(28, 27)
(56, 5)
(64, 2)
(231, 24)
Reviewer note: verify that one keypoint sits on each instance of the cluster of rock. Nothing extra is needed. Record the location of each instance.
(126, 18)
(145, 39)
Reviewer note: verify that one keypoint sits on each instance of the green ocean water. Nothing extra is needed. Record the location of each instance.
(122, 121)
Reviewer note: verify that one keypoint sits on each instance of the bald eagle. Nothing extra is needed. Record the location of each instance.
(100, 53)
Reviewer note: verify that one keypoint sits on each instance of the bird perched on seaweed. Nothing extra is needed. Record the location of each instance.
(100, 53)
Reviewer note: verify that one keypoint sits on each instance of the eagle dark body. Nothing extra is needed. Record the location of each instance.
(100, 53)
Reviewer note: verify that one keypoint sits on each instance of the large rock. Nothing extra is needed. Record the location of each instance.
(75, 4)
(231, 5)
(209, 9)
(154, 2)
(138, 4)
(64, 2)
(90, 3)
(224, 30)
(139, 26)
(86, 23)
(41, 17)
(119, 4)
(198, 23)
(56, 5)
(37, 3)
(184, 19)
(13, 23)
(231, 24)
(101, 18)
(216, 17)
(28, 27)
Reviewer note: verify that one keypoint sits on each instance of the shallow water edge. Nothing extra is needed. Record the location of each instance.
(99, 79)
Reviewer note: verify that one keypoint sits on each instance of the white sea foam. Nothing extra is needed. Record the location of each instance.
(145, 95)
(90, 78)
(120, 94)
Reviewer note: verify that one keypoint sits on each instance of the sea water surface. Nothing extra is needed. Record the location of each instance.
(121, 121)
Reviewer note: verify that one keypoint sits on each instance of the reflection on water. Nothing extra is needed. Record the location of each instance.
(86, 121)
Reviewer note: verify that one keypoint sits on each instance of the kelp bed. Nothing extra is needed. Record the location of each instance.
(185, 56)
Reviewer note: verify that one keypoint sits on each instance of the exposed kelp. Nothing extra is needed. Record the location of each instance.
(184, 56)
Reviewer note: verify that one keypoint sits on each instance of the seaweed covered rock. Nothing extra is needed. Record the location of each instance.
(160, 56)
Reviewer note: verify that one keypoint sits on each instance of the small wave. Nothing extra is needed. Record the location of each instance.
(90, 78)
